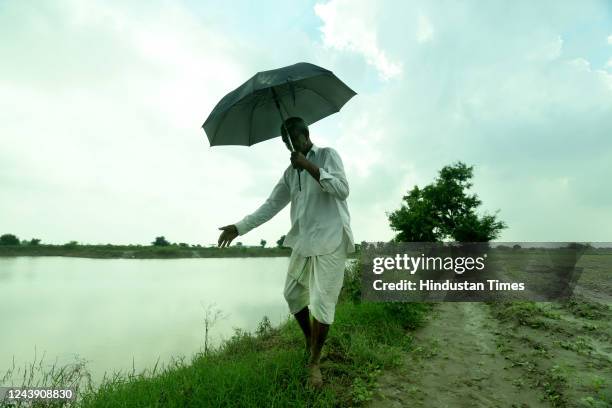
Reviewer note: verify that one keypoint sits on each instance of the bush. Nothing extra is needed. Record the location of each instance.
(9, 239)
(160, 241)
(351, 289)
(408, 314)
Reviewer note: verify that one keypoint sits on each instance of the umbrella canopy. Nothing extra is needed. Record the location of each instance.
(250, 113)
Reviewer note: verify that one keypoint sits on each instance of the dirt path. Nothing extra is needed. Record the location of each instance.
(456, 363)
(506, 355)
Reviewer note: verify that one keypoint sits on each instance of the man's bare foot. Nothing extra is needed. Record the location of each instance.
(315, 378)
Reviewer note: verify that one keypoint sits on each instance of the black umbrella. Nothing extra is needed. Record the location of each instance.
(250, 113)
(254, 111)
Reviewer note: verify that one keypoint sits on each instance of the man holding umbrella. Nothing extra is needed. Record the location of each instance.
(320, 235)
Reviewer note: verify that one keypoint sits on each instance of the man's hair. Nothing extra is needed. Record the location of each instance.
(295, 124)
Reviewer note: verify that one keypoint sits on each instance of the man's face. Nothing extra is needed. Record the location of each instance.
(299, 140)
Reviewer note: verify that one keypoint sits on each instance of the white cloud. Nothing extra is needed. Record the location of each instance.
(425, 29)
(554, 49)
(492, 90)
(581, 64)
(610, 39)
(107, 145)
(361, 144)
(349, 26)
(101, 106)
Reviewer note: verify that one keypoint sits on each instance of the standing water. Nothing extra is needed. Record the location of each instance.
(125, 315)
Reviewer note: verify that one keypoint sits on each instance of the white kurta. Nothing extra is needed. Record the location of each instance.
(320, 233)
(319, 212)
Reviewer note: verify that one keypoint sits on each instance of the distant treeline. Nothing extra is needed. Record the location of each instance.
(12, 240)
(10, 245)
(140, 251)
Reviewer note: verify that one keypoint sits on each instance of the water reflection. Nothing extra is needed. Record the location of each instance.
(115, 312)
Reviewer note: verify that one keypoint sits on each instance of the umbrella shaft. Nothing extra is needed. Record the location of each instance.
(280, 112)
(286, 132)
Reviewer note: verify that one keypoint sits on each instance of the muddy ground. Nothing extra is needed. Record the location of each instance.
(520, 354)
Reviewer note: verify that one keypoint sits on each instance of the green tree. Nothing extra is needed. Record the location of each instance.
(279, 243)
(160, 241)
(34, 242)
(263, 243)
(444, 210)
(9, 239)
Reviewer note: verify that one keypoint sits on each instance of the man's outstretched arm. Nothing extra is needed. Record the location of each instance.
(278, 199)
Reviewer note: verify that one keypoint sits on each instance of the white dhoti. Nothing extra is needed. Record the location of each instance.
(316, 281)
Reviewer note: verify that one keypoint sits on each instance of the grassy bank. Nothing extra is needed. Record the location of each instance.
(140, 251)
(267, 367)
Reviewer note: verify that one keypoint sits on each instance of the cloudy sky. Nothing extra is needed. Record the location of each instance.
(101, 104)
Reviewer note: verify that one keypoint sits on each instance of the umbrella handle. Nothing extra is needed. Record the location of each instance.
(286, 131)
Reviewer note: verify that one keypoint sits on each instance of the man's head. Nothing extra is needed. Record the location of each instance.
(298, 131)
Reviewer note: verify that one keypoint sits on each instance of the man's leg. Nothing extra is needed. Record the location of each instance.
(297, 297)
(319, 334)
(325, 284)
(303, 319)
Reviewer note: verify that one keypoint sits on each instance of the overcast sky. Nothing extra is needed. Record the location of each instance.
(102, 102)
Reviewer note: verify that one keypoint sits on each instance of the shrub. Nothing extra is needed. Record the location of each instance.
(160, 241)
(9, 239)
(351, 289)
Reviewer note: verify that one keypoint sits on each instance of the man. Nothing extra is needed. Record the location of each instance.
(320, 235)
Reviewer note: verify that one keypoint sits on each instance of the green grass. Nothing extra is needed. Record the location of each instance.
(524, 313)
(267, 368)
(581, 307)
